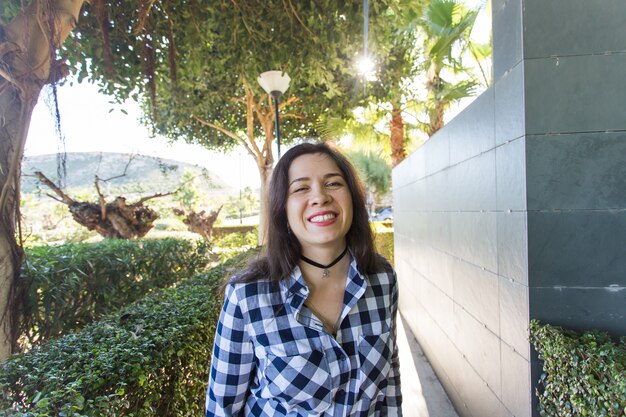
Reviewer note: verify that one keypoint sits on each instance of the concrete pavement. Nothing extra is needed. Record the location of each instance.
(422, 393)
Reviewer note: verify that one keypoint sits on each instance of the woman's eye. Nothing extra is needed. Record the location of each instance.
(334, 184)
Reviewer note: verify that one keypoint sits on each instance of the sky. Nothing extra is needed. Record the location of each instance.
(91, 123)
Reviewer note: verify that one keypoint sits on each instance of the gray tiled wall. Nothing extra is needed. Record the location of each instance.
(516, 209)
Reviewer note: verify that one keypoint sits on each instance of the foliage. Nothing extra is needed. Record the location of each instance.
(583, 375)
(236, 240)
(246, 204)
(151, 359)
(188, 194)
(221, 231)
(383, 239)
(66, 287)
(375, 173)
(447, 26)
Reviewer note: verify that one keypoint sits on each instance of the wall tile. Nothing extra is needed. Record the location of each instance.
(480, 346)
(438, 305)
(476, 290)
(513, 246)
(474, 238)
(438, 150)
(511, 175)
(576, 171)
(575, 94)
(437, 192)
(411, 169)
(438, 230)
(473, 184)
(514, 316)
(581, 308)
(439, 271)
(583, 27)
(507, 35)
(577, 248)
(472, 131)
(509, 105)
(515, 374)
(477, 399)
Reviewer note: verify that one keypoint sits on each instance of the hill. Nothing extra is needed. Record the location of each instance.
(145, 174)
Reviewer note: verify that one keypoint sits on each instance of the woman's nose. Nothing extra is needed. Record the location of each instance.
(320, 196)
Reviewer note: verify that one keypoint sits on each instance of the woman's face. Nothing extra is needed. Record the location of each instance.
(319, 204)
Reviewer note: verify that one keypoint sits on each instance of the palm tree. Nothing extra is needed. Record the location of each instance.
(446, 25)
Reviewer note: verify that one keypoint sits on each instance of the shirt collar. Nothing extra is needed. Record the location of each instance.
(295, 290)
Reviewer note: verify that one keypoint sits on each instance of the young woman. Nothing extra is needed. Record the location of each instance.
(310, 328)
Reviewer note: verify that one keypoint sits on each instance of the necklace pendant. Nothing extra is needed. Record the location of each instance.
(325, 273)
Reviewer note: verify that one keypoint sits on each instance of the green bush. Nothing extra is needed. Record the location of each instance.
(219, 231)
(384, 244)
(68, 286)
(583, 375)
(150, 359)
(237, 240)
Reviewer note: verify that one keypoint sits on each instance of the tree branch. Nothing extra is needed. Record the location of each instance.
(103, 203)
(123, 174)
(65, 198)
(227, 133)
(150, 197)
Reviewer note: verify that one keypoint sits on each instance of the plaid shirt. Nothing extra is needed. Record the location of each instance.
(272, 356)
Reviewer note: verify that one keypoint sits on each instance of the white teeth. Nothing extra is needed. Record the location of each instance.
(323, 218)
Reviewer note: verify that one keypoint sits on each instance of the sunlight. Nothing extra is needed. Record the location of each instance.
(366, 67)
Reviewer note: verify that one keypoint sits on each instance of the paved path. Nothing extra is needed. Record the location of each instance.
(422, 393)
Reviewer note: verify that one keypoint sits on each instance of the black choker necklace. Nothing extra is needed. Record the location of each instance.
(325, 267)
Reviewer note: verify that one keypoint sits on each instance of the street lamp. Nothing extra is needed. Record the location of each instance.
(275, 83)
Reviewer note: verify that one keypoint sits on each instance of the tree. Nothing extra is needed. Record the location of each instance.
(190, 198)
(197, 80)
(143, 50)
(447, 25)
(219, 104)
(375, 173)
(116, 219)
(28, 61)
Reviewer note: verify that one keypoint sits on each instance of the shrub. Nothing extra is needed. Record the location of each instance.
(583, 375)
(384, 244)
(237, 240)
(219, 231)
(68, 286)
(150, 359)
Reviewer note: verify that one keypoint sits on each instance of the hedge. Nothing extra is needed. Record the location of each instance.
(384, 244)
(583, 375)
(219, 231)
(150, 359)
(68, 286)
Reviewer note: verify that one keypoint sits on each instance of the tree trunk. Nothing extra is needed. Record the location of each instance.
(434, 87)
(26, 52)
(396, 125)
(265, 173)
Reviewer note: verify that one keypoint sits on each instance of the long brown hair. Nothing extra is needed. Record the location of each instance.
(283, 249)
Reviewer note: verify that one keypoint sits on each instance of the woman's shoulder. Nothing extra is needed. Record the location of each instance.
(248, 287)
(384, 273)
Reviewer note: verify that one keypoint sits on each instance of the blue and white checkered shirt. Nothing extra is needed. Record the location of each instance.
(272, 356)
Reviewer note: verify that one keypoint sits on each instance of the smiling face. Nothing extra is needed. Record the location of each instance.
(319, 203)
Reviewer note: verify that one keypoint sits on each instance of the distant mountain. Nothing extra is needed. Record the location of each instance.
(145, 174)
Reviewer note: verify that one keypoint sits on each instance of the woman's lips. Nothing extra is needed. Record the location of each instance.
(322, 218)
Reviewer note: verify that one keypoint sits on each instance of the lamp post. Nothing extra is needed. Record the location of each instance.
(275, 83)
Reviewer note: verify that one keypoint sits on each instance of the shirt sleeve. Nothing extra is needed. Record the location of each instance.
(232, 363)
(393, 397)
